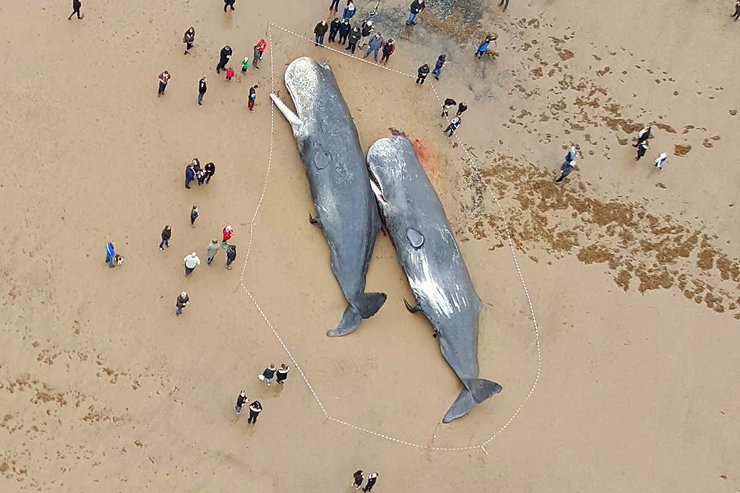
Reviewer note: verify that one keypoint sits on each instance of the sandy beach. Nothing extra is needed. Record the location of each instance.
(625, 379)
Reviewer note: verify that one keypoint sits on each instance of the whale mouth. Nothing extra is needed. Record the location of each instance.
(375, 186)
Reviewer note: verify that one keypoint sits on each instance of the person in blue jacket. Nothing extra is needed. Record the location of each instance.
(189, 174)
(349, 10)
(438, 66)
(110, 254)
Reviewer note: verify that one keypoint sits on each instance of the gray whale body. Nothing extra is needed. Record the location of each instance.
(427, 251)
(337, 173)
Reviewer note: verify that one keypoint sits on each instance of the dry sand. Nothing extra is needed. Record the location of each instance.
(633, 274)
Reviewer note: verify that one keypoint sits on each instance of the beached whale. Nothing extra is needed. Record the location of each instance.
(427, 251)
(335, 164)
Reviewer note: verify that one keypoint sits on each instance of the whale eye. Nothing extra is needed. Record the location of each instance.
(321, 160)
(416, 238)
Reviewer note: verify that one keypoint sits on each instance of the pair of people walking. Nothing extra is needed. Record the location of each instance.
(359, 477)
(271, 372)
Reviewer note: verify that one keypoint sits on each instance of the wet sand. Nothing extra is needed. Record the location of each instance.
(633, 274)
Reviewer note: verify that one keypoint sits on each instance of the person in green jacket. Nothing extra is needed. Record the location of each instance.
(211, 250)
(245, 65)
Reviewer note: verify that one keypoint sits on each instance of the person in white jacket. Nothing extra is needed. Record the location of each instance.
(191, 262)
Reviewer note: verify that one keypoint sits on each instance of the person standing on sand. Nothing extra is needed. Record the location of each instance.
(388, 48)
(504, 3)
(202, 88)
(252, 97)
(240, 401)
(110, 254)
(258, 51)
(438, 66)
(367, 30)
(210, 170)
(245, 65)
(319, 31)
(643, 136)
(268, 374)
(371, 480)
(211, 250)
(660, 162)
(349, 10)
(414, 10)
(354, 36)
(229, 3)
(191, 262)
(334, 6)
(282, 373)
(164, 79)
(194, 213)
(641, 150)
(344, 29)
(483, 47)
(449, 102)
(76, 6)
(736, 15)
(254, 410)
(357, 478)
(189, 174)
(454, 125)
(334, 30)
(422, 73)
(461, 108)
(189, 39)
(224, 56)
(181, 303)
(230, 255)
(226, 235)
(374, 46)
(166, 235)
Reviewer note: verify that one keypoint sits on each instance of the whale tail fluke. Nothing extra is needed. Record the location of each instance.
(476, 390)
(364, 305)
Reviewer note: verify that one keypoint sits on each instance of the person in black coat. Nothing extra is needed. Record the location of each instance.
(210, 171)
(344, 29)
(461, 109)
(320, 31)
(414, 10)
(421, 75)
(76, 6)
(166, 235)
(230, 256)
(354, 37)
(334, 29)
(229, 3)
(224, 58)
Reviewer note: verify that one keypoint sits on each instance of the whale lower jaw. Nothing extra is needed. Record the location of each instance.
(475, 391)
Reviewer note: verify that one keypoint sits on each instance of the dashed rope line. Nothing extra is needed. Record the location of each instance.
(507, 237)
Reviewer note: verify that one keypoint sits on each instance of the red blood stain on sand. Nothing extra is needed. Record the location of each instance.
(427, 155)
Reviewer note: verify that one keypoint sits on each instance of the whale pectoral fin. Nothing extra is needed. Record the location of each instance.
(480, 390)
(412, 309)
(362, 306)
(292, 118)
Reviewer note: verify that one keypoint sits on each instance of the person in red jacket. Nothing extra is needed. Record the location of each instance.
(388, 48)
(228, 231)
